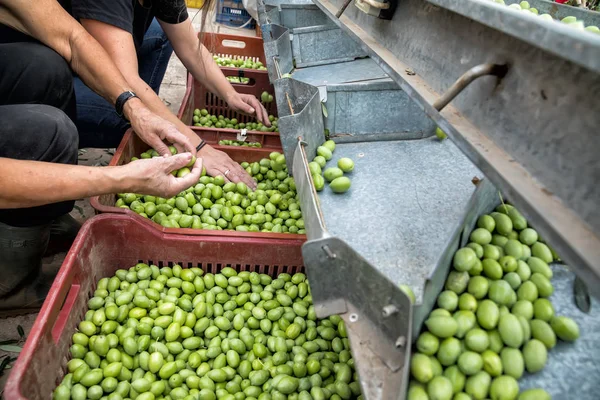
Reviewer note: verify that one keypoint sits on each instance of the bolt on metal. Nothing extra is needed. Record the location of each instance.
(389, 310)
(329, 253)
(401, 341)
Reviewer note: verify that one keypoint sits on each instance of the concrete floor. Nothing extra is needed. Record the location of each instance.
(172, 91)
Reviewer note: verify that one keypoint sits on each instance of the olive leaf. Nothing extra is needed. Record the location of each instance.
(21, 331)
(11, 348)
(324, 109)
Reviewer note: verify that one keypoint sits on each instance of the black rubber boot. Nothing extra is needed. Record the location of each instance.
(22, 286)
(63, 232)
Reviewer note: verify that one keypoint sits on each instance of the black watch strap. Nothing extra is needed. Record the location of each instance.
(201, 145)
(121, 100)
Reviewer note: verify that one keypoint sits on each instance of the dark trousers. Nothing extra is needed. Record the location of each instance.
(37, 104)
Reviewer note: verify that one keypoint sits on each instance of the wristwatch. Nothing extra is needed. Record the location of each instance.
(121, 100)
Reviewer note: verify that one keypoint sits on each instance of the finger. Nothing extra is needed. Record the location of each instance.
(247, 108)
(180, 184)
(243, 176)
(231, 173)
(265, 114)
(160, 147)
(215, 172)
(177, 161)
(180, 148)
(179, 140)
(198, 165)
(254, 103)
(226, 176)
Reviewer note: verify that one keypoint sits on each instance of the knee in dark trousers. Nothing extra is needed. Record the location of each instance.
(39, 133)
(35, 74)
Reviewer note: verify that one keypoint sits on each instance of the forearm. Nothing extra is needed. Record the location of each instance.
(155, 104)
(48, 22)
(95, 68)
(35, 183)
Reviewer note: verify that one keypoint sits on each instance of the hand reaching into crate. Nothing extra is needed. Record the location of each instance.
(154, 131)
(250, 105)
(154, 176)
(218, 163)
(34, 183)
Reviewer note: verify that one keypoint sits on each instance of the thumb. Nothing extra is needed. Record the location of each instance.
(177, 161)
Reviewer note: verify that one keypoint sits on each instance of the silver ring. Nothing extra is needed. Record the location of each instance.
(226, 172)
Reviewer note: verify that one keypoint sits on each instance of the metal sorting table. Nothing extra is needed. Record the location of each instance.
(412, 203)
(405, 200)
(518, 128)
(570, 366)
(363, 102)
(359, 98)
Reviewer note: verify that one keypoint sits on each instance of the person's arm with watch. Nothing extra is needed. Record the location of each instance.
(49, 23)
(199, 61)
(120, 46)
(32, 183)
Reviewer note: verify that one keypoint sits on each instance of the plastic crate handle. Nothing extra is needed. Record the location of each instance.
(237, 44)
(63, 315)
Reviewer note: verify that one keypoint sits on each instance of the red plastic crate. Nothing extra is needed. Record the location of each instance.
(221, 44)
(106, 243)
(198, 97)
(132, 145)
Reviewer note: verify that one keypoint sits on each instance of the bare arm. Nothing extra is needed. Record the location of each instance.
(35, 183)
(48, 22)
(198, 60)
(119, 45)
(121, 49)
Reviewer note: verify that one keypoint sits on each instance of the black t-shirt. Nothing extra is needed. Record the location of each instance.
(128, 15)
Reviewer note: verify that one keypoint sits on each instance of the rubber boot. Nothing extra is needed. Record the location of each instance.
(62, 234)
(22, 286)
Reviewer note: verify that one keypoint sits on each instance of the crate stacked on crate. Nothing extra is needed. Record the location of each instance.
(198, 97)
(275, 189)
(110, 242)
(242, 57)
(232, 13)
(249, 52)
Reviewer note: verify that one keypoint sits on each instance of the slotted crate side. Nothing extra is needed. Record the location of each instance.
(132, 145)
(105, 244)
(198, 97)
(243, 47)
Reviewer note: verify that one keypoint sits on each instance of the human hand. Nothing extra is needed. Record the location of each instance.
(154, 130)
(218, 163)
(153, 176)
(248, 104)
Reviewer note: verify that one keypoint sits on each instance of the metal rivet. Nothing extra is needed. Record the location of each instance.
(328, 251)
(401, 341)
(388, 310)
(353, 317)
